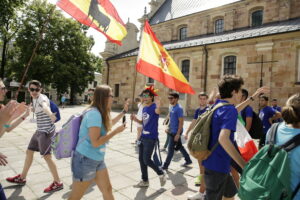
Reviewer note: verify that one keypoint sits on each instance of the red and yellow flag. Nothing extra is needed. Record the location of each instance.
(98, 14)
(155, 62)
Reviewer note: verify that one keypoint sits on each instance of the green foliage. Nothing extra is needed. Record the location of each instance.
(63, 57)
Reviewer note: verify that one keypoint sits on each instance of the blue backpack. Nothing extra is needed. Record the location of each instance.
(54, 109)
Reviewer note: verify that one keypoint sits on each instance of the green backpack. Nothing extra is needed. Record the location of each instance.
(267, 175)
(199, 140)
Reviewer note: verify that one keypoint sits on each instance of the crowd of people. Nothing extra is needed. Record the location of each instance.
(219, 173)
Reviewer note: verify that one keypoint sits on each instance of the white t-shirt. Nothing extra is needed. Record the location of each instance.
(139, 114)
(37, 103)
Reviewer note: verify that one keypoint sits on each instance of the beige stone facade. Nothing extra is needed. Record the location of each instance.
(282, 75)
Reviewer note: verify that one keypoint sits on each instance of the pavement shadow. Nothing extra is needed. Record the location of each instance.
(178, 179)
(16, 193)
(141, 194)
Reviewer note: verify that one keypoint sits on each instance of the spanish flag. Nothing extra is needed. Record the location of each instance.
(155, 62)
(98, 14)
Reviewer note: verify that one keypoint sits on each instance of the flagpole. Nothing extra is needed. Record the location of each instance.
(133, 94)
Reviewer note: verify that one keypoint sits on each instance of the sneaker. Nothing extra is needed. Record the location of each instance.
(17, 179)
(164, 168)
(163, 179)
(198, 180)
(142, 184)
(197, 196)
(55, 186)
(186, 164)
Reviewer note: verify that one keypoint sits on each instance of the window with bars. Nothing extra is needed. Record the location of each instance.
(229, 65)
(185, 69)
(219, 26)
(257, 18)
(150, 81)
(182, 33)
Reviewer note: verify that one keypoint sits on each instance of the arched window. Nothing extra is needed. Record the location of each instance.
(185, 68)
(257, 18)
(219, 26)
(182, 33)
(229, 65)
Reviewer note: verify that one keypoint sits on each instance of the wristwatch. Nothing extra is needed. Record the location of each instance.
(251, 98)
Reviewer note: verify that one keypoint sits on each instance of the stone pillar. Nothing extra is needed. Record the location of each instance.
(105, 69)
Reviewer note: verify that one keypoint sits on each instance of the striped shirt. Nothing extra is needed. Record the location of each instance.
(44, 123)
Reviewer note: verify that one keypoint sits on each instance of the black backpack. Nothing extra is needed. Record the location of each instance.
(256, 130)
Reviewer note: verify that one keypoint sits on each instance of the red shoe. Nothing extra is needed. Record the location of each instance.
(17, 179)
(55, 186)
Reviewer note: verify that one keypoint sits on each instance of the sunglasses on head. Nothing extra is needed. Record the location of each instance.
(34, 89)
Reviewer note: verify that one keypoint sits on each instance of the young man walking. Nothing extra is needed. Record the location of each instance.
(175, 131)
(41, 140)
(199, 180)
(149, 137)
(219, 183)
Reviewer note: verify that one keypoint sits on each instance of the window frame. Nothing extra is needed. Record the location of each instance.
(180, 32)
(224, 64)
(117, 90)
(262, 17)
(215, 25)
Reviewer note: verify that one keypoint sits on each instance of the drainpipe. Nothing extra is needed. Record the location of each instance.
(107, 64)
(205, 67)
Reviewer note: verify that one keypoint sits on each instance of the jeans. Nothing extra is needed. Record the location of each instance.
(2, 194)
(146, 149)
(171, 153)
(167, 141)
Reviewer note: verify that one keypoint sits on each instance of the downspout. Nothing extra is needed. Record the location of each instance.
(108, 66)
(205, 67)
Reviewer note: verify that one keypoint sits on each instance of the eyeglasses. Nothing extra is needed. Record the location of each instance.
(34, 89)
(145, 95)
(170, 98)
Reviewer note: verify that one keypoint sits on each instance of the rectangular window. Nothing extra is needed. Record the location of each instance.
(95, 84)
(183, 33)
(117, 90)
(150, 81)
(219, 26)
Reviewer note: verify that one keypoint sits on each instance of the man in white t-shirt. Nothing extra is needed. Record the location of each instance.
(41, 139)
(139, 115)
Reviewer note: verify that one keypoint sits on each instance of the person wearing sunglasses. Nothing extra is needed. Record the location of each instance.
(149, 137)
(90, 95)
(41, 139)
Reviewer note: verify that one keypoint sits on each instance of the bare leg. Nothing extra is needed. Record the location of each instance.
(103, 183)
(52, 167)
(27, 163)
(78, 189)
(202, 183)
(236, 177)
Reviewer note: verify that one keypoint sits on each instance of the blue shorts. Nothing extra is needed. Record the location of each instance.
(84, 168)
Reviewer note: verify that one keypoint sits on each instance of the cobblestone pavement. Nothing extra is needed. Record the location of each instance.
(121, 160)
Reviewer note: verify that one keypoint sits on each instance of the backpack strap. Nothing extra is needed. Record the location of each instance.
(292, 143)
(296, 190)
(272, 134)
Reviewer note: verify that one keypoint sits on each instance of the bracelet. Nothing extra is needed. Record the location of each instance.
(124, 111)
(6, 126)
(251, 98)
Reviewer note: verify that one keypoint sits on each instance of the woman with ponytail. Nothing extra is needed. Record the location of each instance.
(286, 131)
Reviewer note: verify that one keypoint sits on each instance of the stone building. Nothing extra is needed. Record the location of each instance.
(256, 39)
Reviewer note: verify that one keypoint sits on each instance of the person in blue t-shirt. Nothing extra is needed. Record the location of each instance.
(286, 131)
(199, 180)
(149, 136)
(267, 115)
(175, 131)
(88, 164)
(276, 107)
(247, 112)
(218, 180)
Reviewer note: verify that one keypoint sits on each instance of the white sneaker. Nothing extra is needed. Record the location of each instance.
(142, 184)
(163, 179)
(197, 196)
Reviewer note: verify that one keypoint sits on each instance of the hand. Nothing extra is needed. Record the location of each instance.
(3, 160)
(27, 111)
(262, 90)
(7, 112)
(133, 117)
(157, 101)
(186, 136)
(53, 117)
(176, 138)
(20, 110)
(120, 128)
(126, 105)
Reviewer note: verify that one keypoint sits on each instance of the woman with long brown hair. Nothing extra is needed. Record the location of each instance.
(95, 131)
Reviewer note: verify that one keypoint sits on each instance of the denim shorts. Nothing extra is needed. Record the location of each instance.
(84, 168)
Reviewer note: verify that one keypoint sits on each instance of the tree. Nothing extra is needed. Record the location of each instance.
(63, 58)
(9, 24)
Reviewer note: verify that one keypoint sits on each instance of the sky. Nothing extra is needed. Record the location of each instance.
(132, 9)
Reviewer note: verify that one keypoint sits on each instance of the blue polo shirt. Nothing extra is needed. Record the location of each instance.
(279, 110)
(176, 112)
(265, 114)
(224, 117)
(247, 112)
(199, 112)
(150, 122)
